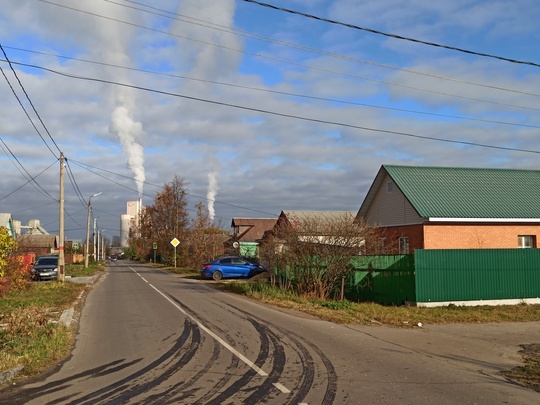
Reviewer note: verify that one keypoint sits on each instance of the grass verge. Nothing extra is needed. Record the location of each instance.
(371, 313)
(78, 270)
(30, 335)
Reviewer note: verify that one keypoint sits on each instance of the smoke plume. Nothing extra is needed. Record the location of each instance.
(116, 42)
(129, 132)
(211, 195)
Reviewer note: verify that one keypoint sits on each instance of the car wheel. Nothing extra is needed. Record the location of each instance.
(216, 275)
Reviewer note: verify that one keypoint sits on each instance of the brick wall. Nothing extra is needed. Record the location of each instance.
(392, 234)
(458, 236)
(477, 236)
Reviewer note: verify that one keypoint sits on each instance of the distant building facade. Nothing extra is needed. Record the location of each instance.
(129, 220)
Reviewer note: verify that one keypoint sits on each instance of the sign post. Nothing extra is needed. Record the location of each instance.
(154, 246)
(175, 242)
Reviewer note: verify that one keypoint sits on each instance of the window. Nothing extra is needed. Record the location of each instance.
(389, 187)
(404, 245)
(526, 241)
(381, 244)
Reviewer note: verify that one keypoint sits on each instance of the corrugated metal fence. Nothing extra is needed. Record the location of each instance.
(446, 276)
(477, 274)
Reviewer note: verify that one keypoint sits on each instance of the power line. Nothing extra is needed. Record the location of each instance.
(30, 101)
(458, 117)
(260, 110)
(251, 35)
(32, 178)
(86, 167)
(258, 55)
(74, 183)
(26, 112)
(452, 48)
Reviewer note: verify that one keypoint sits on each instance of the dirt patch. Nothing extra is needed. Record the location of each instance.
(527, 375)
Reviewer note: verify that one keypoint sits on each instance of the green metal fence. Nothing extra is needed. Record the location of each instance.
(386, 279)
(477, 274)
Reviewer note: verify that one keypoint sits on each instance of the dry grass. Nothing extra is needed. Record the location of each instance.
(370, 313)
(30, 335)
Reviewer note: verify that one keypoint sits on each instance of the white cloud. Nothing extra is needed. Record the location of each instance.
(266, 162)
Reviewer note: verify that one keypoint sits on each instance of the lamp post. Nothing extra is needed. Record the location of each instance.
(88, 231)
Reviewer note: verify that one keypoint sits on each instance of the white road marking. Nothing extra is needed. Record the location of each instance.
(216, 337)
(282, 388)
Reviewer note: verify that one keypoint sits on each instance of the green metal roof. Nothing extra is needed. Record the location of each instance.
(445, 192)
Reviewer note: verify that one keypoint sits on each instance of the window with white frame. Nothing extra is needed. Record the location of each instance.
(526, 241)
(404, 245)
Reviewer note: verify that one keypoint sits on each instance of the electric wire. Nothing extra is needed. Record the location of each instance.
(31, 103)
(74, 183)
(26, 112)
(286, 115)
(31, 178)
(19, 168)
(87, 166)
(452, 48)
(282, 60)
(208, 24)
(289, 94)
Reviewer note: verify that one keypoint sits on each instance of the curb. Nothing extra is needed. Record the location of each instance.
(10, 374)
(67, 317)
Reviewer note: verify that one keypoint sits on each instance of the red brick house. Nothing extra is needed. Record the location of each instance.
(40, 245)
(453, 208)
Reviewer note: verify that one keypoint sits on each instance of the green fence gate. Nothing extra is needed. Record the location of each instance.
(385, 279)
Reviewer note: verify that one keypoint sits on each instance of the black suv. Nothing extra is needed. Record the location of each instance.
(46, 268)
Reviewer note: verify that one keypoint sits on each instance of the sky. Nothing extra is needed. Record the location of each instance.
(258, 109)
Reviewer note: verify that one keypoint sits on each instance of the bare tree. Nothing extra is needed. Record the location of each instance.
(203, 239)
(163, 221)
(312, 254)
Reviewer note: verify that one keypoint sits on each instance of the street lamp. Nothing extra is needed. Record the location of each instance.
(88, 231)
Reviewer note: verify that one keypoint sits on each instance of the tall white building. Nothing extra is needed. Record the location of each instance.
(130, 220)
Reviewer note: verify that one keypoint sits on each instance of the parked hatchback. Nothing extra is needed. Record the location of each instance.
(229, 267)
(46, 268)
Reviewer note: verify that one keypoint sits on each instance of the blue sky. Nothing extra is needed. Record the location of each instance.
(262, 109)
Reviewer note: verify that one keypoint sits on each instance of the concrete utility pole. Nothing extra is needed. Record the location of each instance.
(61, 260)
(95, 237)
(88, 231)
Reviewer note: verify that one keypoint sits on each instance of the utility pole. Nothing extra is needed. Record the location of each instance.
(94, 251)
(61, 260)
(88, 230)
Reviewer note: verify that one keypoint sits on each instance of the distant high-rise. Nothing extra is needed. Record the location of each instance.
(130, 220)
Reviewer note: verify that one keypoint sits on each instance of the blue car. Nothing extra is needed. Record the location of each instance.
(230, 266)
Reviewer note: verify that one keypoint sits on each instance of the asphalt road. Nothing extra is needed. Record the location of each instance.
(149, 337)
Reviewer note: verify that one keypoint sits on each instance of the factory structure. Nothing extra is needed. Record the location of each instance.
(130, 220)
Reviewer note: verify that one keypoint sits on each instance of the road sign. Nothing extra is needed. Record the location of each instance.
(75, 245)
(154, 245)
(175, 242)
